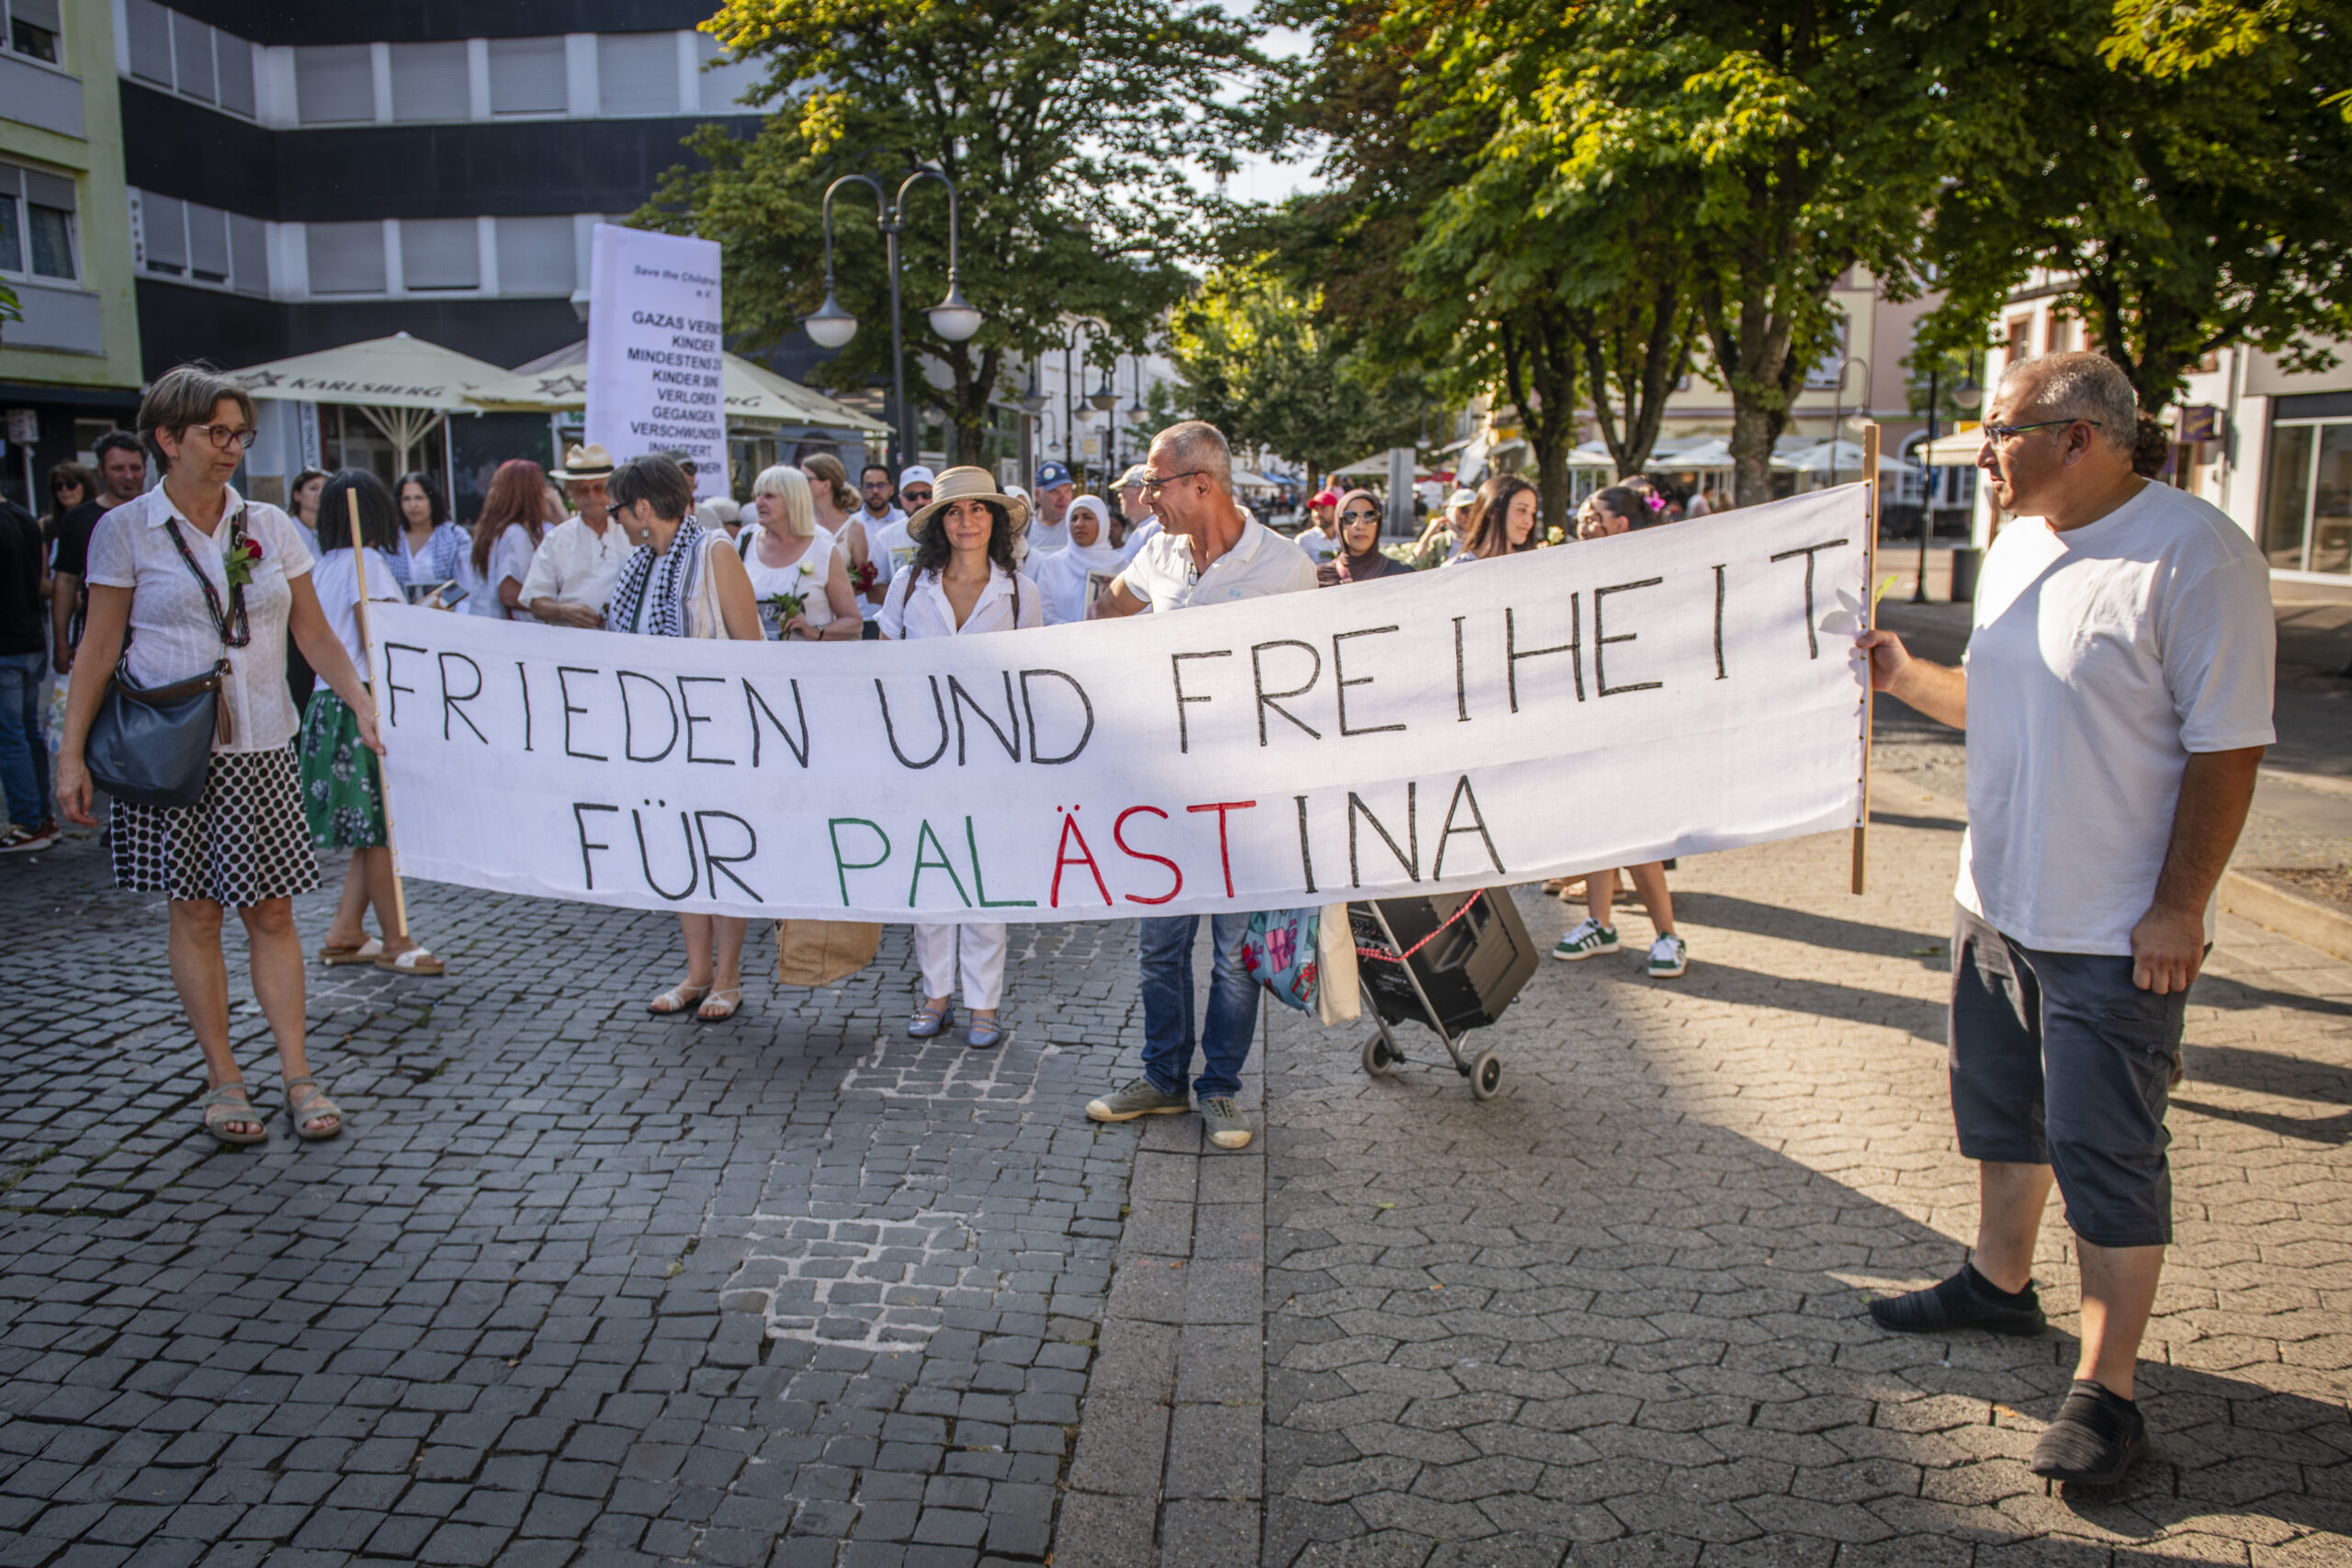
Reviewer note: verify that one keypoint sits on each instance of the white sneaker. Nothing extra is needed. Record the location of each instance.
(1587, 939)
(1668, 958)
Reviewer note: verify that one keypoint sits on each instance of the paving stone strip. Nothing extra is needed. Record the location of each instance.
(577, 1284)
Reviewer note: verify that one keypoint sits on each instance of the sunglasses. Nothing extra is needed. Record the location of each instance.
(1359, 516)
(915, 495)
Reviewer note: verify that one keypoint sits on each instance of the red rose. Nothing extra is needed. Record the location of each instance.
(253, 549)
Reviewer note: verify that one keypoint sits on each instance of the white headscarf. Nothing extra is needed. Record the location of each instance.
(1062, 576)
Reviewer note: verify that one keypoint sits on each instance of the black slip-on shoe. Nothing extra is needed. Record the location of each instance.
(1966, 1301)
(2095, 1440)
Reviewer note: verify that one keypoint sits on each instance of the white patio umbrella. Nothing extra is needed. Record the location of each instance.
(1844, 456)
(751, 393)
(1957, 450)
(402, 385)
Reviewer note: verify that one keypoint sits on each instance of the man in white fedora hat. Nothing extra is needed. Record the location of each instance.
(574, 571)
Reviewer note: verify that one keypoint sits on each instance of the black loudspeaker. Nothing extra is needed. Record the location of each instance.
(1472, 970)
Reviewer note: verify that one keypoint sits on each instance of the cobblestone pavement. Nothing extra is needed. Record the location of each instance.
(581, 1287)
(576, 1285)
(1615, 1314)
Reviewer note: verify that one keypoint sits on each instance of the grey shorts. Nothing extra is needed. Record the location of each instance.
(2058, 1059)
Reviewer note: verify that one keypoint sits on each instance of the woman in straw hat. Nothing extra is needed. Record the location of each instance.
(962, 583)
(684, 579)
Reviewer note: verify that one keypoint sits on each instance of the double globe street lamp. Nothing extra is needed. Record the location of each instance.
(955, 318)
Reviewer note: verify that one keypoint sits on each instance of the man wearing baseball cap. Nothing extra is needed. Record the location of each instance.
(1050, 532)
(895, 540)
(1320, 538)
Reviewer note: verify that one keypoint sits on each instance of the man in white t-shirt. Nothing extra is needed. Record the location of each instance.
(2117, 695)
(574, 570)
(1050, 529)
(892, 541)
(1209, 552)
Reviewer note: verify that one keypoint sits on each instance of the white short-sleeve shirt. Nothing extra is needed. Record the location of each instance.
(2102, 656)
(917, 606)
(1261, 562)
(575, 562)
(511, 556)
(334, 577)
(172, 634)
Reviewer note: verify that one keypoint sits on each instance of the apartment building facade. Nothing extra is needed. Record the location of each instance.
(70, 368)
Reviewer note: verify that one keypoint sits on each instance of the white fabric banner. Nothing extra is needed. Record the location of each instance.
(1670, 692)
(654, 370)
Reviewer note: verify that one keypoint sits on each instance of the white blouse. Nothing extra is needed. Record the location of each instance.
(917, 606)
(172, 634)
(805, 577)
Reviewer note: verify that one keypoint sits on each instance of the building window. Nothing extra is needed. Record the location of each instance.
(440, 253)
(182, 55)
(2307, 497)
(202, 244)
(32, 29)
(429, 82)
(345, 258)
(37, 224)
(334, 85)
(528, 75)
(2020, 338)
(537, 255)
(637, 74)
(725, 84)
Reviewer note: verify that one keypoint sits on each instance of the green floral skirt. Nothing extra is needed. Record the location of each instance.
(343, 794)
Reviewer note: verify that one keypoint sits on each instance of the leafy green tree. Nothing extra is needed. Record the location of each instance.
(1262, 364)
(9, 311)
(2187, 195)
(1800, 138)
(1074, 198)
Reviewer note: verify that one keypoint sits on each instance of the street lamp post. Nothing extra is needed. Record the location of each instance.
(1837, 407)
(954, 317)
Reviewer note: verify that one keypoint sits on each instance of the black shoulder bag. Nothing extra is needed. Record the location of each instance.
(152, 745)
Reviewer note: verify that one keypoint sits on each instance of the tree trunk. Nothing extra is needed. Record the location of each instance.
(1753, 430)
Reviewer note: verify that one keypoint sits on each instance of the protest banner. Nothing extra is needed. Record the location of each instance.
(1662, 693)
(654, 370)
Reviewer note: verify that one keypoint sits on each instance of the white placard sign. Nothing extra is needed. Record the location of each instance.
(1669, 692)
(655, 378)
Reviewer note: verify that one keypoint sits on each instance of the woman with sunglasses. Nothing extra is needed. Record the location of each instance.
(1358, 559)
(192, 576)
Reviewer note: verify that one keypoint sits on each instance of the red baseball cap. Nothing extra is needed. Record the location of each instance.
(1324, 498)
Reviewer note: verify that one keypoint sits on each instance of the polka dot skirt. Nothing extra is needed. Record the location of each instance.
(247, 841)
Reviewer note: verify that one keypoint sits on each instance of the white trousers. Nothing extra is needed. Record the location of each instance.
(983, 962)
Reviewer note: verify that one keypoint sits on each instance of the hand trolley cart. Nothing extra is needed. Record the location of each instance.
(1453, 962)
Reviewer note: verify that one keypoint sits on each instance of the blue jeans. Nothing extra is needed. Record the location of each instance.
(1167, 952)
(24, 744)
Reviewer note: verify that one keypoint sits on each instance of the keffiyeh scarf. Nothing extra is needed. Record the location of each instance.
(659, 587)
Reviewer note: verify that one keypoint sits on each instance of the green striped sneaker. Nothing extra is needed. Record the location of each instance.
(1587, 939)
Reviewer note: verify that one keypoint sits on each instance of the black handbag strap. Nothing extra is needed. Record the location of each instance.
(234, 629)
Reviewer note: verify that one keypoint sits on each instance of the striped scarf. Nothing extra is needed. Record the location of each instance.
(662, 585)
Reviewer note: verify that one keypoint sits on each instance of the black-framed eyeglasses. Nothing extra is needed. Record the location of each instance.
(1152, 482)
(222, 434)
(2003, 432)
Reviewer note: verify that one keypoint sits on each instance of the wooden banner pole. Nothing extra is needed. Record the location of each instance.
(1870, 622)
(368, 668)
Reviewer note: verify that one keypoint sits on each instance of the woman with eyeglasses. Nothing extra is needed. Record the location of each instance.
(682, 580)
(1358, 559)
(192, 575)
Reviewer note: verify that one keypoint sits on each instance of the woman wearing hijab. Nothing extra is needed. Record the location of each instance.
(1074, 576)
(1358, 559)
(684, 579)
(962, 583)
